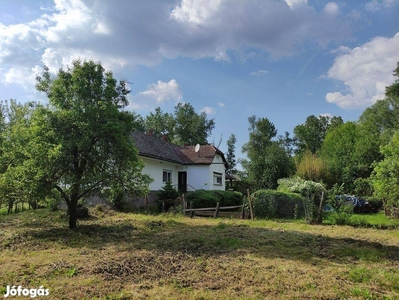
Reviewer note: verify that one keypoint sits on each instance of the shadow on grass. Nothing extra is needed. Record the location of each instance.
(219, 239)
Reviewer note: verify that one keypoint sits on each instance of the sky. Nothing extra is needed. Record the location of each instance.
(283, 60)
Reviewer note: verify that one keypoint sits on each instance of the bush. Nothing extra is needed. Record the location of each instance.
(166, 197)
(203, 198)
(277, 204)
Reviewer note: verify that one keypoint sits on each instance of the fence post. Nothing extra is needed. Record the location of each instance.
(192, 212)
(242, 212)
(250, 205)
(216, 210)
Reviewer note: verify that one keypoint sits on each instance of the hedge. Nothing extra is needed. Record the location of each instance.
(204, 198)
(277, 204)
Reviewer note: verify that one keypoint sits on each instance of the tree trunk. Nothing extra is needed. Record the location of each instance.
(73, 215)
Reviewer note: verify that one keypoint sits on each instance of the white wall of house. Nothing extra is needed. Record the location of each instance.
(198, 177)
(154, 168)
(217, 168)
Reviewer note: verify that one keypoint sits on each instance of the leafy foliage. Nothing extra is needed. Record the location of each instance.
(385, 180)
(205, 198)
(84, 137)
(313, 195)
(310, 135)
(269, 204)
(268, 160)
(167, 196)
(230, 156)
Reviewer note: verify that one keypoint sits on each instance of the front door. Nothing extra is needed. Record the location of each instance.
(182, 182)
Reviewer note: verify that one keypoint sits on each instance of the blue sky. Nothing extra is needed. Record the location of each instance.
(284, 60)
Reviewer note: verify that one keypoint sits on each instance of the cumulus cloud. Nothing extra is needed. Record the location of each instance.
(365, 71)
(121, 33)
(209, 110)
(259, 73)
(157, 94)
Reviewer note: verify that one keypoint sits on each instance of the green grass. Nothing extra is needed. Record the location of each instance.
(135, 256)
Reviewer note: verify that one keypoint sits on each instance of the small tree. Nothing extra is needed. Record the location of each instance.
(167, 196)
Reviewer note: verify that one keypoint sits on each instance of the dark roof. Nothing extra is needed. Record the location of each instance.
(153, 147)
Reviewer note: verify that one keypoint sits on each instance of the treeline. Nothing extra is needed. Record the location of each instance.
(359, 157)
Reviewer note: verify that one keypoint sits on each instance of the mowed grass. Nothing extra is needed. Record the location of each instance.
(131, 256)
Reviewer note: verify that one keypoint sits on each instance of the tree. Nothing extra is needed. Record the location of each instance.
(230, 156)
(268, 161)
(18, 180)
(191, 128)
(310, 135)
(160, 124)
(83, 139)
(386, 175)
(340, 152)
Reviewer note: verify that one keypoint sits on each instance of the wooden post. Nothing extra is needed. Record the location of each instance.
(250, 205)
(216, 211)
(319, 217)
(192, 212)
(242, 212)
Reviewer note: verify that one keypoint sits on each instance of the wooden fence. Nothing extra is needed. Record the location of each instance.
(218, 211)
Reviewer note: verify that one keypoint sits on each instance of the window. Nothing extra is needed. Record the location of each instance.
(217, 178)
(167, 176)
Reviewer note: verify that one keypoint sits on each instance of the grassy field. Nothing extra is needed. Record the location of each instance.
(131, 256)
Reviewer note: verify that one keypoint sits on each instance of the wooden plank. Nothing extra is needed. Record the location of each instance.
(231, 207)
(201, 209)
(204, 214)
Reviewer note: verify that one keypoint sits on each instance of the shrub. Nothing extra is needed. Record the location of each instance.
(203, 198)
(277, 204)
(166, 197)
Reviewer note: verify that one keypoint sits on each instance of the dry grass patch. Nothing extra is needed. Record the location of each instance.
(130, 256)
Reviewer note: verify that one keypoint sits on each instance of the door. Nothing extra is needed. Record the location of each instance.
(182, 182)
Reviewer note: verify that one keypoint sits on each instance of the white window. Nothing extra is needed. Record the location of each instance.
(167, 176)
(217, 178)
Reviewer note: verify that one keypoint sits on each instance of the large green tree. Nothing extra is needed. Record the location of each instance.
(84, 136)
(190, 127)
(310, 135)
(385, 179)
(160, 124)
(267, 159)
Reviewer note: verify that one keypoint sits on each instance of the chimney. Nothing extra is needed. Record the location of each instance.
(150, 132)
(165, 138)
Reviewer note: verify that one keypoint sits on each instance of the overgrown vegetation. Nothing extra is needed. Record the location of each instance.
(205, 198)
(111, 255)
(272, 204)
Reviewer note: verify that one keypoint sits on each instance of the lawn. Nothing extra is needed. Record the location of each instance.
(134, 256)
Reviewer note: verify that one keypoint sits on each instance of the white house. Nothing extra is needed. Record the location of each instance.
(186, 168)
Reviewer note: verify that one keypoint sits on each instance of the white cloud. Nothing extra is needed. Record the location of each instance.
(221, 104)
(365, 71)
(157, 94)
(378, 5)
(294, 3)
(121, 33)
(209, 110)
(259, 73)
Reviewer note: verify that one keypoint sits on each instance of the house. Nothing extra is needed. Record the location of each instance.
(188, 168)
